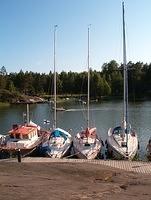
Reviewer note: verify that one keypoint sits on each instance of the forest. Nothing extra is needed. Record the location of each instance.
(108, 82)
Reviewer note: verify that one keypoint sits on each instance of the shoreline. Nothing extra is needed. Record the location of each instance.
(65, 98)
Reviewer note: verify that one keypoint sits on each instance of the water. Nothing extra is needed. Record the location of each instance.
(102, 115)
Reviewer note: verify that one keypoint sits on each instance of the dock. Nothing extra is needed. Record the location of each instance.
(132, 166)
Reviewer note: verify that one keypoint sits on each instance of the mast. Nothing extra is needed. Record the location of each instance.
(55, 99)
(27, 113)
(88, 100)
(125, 70)
(125, 79)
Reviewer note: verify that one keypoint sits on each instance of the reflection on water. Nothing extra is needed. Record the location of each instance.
(102, 115)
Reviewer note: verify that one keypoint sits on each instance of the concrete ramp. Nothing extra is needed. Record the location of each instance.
(133, 166)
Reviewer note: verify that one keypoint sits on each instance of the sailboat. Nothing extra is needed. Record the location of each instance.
(60, 141)
(148, 149)
(23, 137)
(86, 144)
(122, 141)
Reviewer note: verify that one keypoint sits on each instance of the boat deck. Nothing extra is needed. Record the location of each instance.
(133, 166)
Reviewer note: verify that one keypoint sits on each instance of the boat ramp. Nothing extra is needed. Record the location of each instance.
(132, 166)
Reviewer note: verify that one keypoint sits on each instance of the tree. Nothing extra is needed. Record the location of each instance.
(11, 86)
(135, 76)
(113, 75)
(3, 71)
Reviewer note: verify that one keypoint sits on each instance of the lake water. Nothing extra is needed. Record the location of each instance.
(102, 115)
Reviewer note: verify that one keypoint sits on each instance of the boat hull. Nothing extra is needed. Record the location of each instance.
(86, 152)
(82, 155)
(13, 152)
(58, 153)
(118, 155)
(149, 156)
(118, 152)
(58, 144)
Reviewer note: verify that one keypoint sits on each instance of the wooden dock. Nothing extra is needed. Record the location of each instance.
(133, 166)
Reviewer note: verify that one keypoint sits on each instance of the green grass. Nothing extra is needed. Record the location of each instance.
(4, 104)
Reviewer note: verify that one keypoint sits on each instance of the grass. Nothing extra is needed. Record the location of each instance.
(2, 104)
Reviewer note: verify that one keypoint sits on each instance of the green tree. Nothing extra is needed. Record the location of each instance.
(3, 71)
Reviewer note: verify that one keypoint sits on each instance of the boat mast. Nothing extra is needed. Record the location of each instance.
(88, 100)
(125, 78)
(55, 100)
(125, 69)
(27, 113)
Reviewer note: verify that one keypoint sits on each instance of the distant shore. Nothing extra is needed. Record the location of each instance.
(72, 181)
(17, 97)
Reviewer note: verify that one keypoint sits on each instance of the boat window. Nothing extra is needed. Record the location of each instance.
(118, 130)
(33, 134)
(25, 136)
(87, 144)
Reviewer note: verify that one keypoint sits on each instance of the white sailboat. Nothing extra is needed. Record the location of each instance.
(86, 143)
(60, 141)
(122, 141)
(24, 137)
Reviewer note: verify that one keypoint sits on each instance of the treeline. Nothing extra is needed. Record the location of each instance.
(106, 82)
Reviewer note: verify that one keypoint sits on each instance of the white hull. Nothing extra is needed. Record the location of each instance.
(87, 152)
(87, 147)
(25, 147)
(59, 152)
(119, 151)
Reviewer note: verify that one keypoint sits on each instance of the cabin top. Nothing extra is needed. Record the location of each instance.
(89, 132)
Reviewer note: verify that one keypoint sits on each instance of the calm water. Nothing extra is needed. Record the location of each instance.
(102, 115)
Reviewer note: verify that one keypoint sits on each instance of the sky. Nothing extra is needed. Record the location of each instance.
(27, 28)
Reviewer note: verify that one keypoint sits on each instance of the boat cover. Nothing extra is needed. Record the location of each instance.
(58, 133)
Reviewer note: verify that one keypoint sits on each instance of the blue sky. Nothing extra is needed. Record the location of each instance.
(26, 33)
